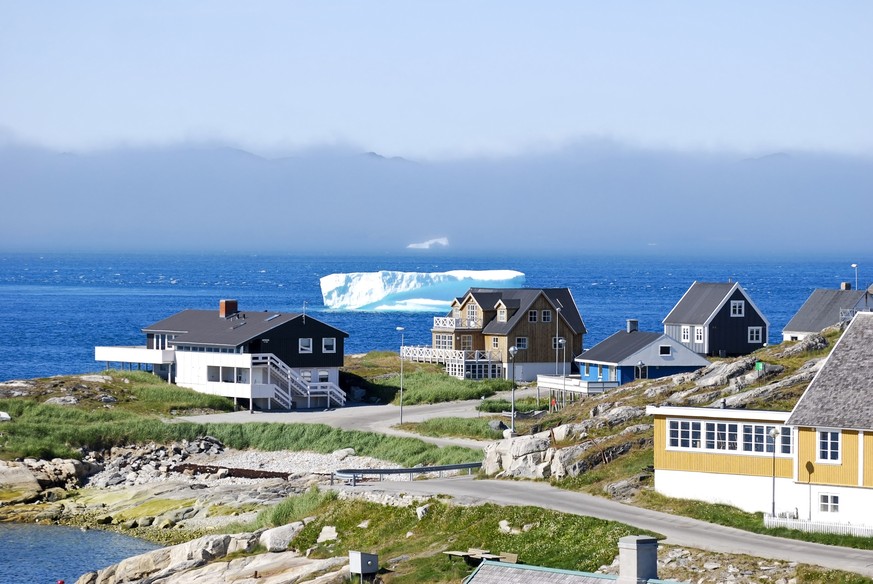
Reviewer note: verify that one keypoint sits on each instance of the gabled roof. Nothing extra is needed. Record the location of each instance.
(703, 300)
(624, 348)
(822, 309)
(206, 327)
(489, 572)
(521, 299)
(839, 394)
(619, 346)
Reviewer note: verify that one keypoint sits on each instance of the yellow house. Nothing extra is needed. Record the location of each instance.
(814, 464)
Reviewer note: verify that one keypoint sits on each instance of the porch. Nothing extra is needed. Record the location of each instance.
(475, 364)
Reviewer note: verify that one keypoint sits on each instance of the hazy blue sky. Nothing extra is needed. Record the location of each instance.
(437, 80)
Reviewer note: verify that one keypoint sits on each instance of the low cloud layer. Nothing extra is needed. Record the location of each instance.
(587, 198)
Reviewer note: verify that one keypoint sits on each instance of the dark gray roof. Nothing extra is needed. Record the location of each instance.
(619, 346)
(505, 573)
(206, 327)
(522, 299)
(822, 309)
(699, 302)
(839, 396)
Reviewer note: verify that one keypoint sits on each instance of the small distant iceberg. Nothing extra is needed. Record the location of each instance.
(443, 241)
(409, 291)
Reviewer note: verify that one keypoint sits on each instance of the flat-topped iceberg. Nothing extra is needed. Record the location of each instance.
(417, 291)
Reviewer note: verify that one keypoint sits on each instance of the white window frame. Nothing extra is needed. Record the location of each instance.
(521, 343)
(665, 350)
(698, 334)
(501, 315)
(495, 343)
(738, 308)
(547, 315)
(686, 333)
(306, 375)
(833, 446)
(828, 503)
(472, 312)
(442, 341)
(304, 345)
(731, 436)
(531, 315)
(756, 334)
(466, 342)
(323, 376)
(328, 345)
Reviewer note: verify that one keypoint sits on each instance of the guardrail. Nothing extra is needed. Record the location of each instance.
(356, 474)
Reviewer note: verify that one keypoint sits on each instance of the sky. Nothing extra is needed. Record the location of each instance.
(458, 86)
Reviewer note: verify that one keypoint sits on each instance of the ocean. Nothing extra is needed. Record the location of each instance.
(57, 307)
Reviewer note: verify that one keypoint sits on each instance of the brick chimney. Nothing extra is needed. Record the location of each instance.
(633, 325)
(637, 559)
(227, 308)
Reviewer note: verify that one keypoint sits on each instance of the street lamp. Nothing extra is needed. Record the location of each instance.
(640, 366)
(400, 329)
(774, 434)
(563, 343)
(856, 275)
(512, 351)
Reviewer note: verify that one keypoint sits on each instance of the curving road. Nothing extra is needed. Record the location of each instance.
(678, 530)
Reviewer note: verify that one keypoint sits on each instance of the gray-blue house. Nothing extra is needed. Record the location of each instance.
(633, 354)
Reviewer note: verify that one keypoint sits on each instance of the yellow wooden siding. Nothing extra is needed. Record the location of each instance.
(843, 473)
(712, 462)
(868, 459)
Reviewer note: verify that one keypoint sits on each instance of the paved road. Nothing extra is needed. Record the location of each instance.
(678, 530)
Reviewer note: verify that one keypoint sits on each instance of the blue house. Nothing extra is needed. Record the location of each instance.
(633, 354)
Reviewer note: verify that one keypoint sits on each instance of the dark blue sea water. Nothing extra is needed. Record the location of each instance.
(55, 308)
(37, 554)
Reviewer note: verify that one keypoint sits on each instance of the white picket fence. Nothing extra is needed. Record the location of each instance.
(818, 526)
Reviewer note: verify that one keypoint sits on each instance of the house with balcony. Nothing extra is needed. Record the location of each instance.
(263, 359)
(505, 333)
(717, 320)
(811, 468)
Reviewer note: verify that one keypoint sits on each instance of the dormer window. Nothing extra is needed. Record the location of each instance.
(501, 315)
(472, 313)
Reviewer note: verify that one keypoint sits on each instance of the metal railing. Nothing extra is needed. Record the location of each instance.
(356, 474)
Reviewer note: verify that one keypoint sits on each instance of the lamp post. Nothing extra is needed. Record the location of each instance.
(512, 351)
(640, 366)
(774, 434)
(563, 343)
(400, 329)
(856, 275)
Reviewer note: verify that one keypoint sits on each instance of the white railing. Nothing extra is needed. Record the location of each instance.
(288, 383)
(574, 383)
(818, 526)
(423, 354)
(452, 323)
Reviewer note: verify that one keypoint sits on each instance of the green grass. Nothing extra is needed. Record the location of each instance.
(551, 539)
(48, 431)
(522, 405)
(427, 387)
(475, 428)
(295, 508)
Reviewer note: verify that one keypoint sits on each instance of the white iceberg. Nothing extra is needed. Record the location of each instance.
(409, 291)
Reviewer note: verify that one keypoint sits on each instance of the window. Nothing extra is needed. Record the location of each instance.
(466, 342)
(829, 503)
(686, 333)
(520, 343)
(501, 315)
(495, 343)
(698, 334)
(547, 316)
(304, 345)
(665, 350)
(442, 341)
(328, 345)
(557, 342)
(828, 446)
(738, 307)
(531, 315)
(472, 312)
(587, 369)
(323, 376)
(755, 334)
(306, 374)
(725, 436)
